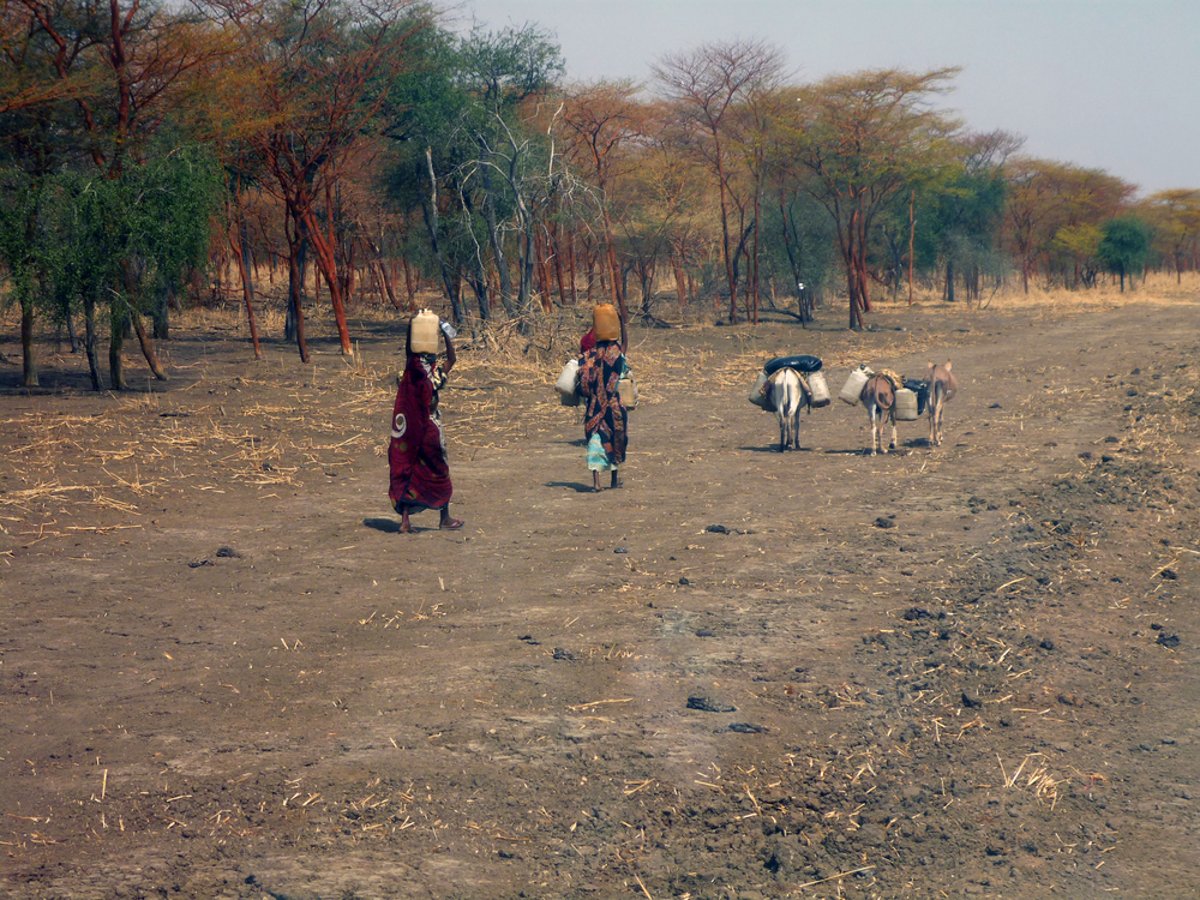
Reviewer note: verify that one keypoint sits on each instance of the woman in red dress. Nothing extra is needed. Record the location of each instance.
(420, 471)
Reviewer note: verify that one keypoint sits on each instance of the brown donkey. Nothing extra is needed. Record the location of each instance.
(942, 386)
(879, 397)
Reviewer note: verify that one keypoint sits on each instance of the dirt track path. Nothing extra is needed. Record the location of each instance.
(339, 710)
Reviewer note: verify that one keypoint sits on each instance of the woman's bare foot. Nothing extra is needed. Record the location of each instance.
(451, 524)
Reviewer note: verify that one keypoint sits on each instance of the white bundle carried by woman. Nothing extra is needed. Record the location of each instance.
(567, 384)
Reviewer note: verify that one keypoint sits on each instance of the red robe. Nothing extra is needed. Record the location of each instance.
(420, 473)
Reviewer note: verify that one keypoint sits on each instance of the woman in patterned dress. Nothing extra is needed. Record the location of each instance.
(605, 421)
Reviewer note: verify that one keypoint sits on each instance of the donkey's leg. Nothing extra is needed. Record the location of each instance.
(893, 418)
(874, 429)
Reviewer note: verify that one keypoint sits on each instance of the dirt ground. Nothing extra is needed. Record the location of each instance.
(960, 670)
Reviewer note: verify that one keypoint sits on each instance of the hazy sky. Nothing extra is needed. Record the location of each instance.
(1108, 84)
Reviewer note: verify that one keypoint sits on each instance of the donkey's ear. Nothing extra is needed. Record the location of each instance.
(949, 365)
(931, 365)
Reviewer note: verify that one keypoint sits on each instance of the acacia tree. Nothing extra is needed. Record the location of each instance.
(505, 74)
(1031, 213)
(600, 121)
(310, 79)
(958, 212)
(240, 178)
(799, 237)
(1045, 197)
(706, 85)
(754, 127)
(100, 79)
(668, 191)
(865, 137)
(1078, 247)
(1124, 246)
(423, 109)
(23, 250)
(1175, 217)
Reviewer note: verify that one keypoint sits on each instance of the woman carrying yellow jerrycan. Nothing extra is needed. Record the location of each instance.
(606, 416)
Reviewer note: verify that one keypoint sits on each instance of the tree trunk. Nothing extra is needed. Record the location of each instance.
(429, 212)
(327, 265)
(525, 264)
(680, 282)
(147, 346)
(860, 248)
(610, 259)
(72, 335)
(541, 269)
(725, 250)
(410, 283)
(218, 291)
(556, 249)
(298, 266)
(294, 325)
(162, 313)
(542, 253)
(493, 230)
(754, 286)
(241, 254)
(792, 245)
(646, 282)
(912, 231)
(29, 373)
(850, 261)
(116, 337)
(571, 274)
(89, 341)
(385, 284)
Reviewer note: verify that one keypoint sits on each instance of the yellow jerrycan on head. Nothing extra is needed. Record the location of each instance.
(423, 332)
(606, 322)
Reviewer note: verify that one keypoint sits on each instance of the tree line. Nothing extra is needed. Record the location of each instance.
(152, 153)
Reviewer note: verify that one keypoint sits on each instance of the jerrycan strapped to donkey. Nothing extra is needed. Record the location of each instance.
(851, 391)
(807, 366)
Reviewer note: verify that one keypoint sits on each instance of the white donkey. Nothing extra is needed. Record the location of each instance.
(788, 394)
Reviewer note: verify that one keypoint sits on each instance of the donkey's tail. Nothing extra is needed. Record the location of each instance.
(937, 392)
